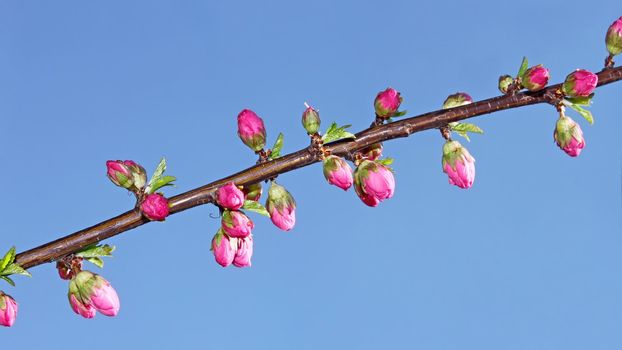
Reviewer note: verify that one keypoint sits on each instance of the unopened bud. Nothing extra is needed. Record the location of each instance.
(311, 120)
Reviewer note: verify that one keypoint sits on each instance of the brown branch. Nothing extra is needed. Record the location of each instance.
(66, 245)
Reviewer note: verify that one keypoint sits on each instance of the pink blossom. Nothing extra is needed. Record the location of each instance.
(230, 196)
(569, 136)
(458, 164)
(281, 206)
(251, 130)
(224, 248)
(535, 78)
(387, 102)
(236, 223)
(580, 83)
(8, 310)
(338, 172)
(373, 182)
(84, 310)
(155, 207)
(244, 253)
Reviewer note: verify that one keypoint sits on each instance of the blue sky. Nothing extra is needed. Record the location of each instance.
(529, 258)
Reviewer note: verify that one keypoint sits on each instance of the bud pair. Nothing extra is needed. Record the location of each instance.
(8, 310)
(373, 182)
(281, 206)
(230, 250)
(458, 164)
(127, 174)
(569, 136)
(90, 292)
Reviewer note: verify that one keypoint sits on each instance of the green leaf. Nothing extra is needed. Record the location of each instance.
(335, 133)
(8, 280)
(523, 67)
(15, 269)
(464, 134)
(400, 114)
(581, 101)
(584, 113)
(161, 168)
(96, 261)
(94, 251)
(386, 161)
(276, 148)
(7, 259)
(255, 207)
(463, 128)
(161, 182)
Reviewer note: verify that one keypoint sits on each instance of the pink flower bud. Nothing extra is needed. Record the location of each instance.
(139, 174)
(90, 292)
(372, 152)
(458, 164)
(387, 102)
(613, 39)
(253, 191)
(8, 310)
(119, 173)
(505, 81)
(230, 196)
(236, 223)
(281, 206)
(569, 136)
(311, 120)
(224, 248)
(457, 99)
(580, 83)
(155, 207)
(535, 78)
(338, 172)
(373, 182)
(251, 130)
(244, 253)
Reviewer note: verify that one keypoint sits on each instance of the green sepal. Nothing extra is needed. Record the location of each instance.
(584, 112)
(8, 280)
(335, 133)
(463, 128)
(255, 207)
(581, 101)
(523, 67)
(161, 182)
(276, 148)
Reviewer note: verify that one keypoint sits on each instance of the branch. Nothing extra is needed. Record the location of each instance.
(61, 247)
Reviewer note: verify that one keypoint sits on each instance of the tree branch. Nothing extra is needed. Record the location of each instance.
(403, 128)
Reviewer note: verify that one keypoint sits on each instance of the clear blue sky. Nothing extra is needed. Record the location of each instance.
(529, 258)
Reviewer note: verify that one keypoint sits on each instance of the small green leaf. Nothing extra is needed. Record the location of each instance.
(464, 134)
(157, 173)
(335, 133)
(523, 67)
(466, 127)
(400, 114)
(161, 182)
(94, 251)
(96, 261)
(584, 113)
(386, 161)
(15, 269)
(7, 259)
(8, 280)
(255, 207)
(276, 148)
(581, 101)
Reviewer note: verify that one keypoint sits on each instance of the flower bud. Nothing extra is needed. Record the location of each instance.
(457, 99)
(372, 152)
(155, 207)
(535, 78)
(251, 130)
(244, 253)
(281, 206)
(119, 173)
(569, 136)
(580, 83)
(311, 120)
(338, 172)
(505, 81)
(230, 196)
(139, 175)
(373, 182)
(224, 248)
(236, 223)
(458, 164)
(253, 191)
(613, 39)
(90, 292)
(8, 310)
(387, 102)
